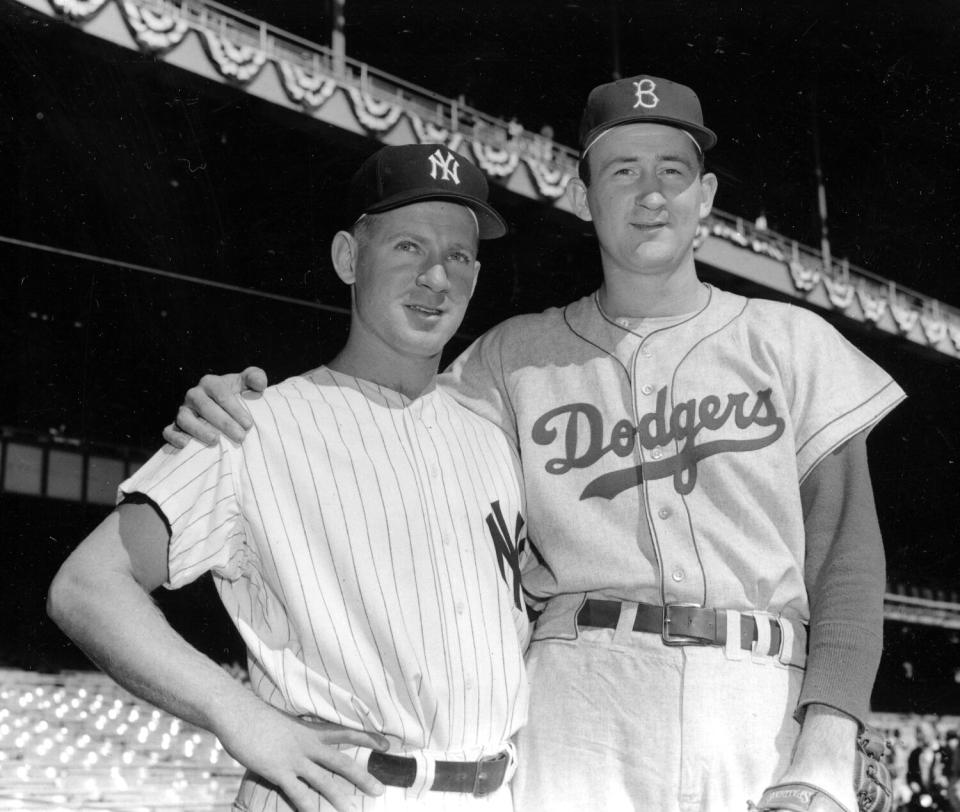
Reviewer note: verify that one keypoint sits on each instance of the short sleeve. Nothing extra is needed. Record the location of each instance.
(195, 491)
(837, 391)
(477, 381)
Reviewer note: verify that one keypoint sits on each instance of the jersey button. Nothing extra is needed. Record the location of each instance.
(647, 389)
(678, 574)
(623, 322)
(459, 608)
(664, 513)
(657, 453)
(645, 352)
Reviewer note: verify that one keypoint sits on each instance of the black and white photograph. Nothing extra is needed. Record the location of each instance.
(504, 405)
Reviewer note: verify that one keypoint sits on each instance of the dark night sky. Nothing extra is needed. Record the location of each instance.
(882, 75)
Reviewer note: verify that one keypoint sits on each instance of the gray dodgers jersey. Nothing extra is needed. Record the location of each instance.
(665, 466)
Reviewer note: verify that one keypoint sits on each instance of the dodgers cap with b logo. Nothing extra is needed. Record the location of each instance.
(398, 176)
(638, 99)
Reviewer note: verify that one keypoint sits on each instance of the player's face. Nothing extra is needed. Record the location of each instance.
(416, 270)
(646, 198)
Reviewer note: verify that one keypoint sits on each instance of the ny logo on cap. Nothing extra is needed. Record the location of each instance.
(645, 95)
(447, 165)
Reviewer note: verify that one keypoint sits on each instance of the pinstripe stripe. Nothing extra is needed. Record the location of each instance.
(396, 422)
(468, 468)
(442, 585)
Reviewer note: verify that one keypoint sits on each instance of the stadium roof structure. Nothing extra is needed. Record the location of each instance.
(233, 49)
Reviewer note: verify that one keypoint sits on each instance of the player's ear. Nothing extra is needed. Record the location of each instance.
(343, 252)
(708, 187)
(577, 190)
(476, 276)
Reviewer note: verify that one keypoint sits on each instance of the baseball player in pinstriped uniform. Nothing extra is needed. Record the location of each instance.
(710, 568)
(365, 539)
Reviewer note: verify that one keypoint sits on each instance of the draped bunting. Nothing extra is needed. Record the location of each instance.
(904, 315)
(309, 89)
(239, 62)
(376, 116)
(804, 278)
(77, 9)
(495, 161)
(155, 31)
(772, 250)
(839, 292)
(934, 328)
(551, 182)
(873, 307)
(721, 229)
(953, 330)
(429, 133)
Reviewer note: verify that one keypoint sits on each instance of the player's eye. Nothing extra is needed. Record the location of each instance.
(407, 245)
(461, 257)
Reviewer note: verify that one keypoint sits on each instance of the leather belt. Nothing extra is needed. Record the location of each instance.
(475, 777)
(679, 624)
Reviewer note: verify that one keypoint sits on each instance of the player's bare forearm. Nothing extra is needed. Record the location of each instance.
(100, 598)
(824, 754)
(214, 407)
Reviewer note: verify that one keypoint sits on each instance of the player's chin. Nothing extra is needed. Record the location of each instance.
(427, 341)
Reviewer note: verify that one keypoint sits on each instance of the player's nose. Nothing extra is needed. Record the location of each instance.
(649, 194)
(434, 276)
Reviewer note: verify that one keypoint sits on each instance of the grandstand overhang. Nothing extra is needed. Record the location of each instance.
(230, 48)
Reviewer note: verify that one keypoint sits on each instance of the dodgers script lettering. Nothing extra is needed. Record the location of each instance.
(580, 430)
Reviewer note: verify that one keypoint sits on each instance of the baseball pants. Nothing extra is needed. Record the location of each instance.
(620, 721)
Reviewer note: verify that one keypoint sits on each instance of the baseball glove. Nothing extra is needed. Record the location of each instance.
(871, 780)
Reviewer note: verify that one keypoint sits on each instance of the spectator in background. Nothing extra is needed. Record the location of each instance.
(924, 766)
(950, 759)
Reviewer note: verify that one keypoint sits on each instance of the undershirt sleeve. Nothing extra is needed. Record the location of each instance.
(845, 575)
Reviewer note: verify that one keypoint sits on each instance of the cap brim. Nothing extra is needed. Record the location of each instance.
(490, 224)
(704, 137)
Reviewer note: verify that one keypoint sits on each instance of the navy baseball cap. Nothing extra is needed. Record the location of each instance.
(639, 99)
(398, 176)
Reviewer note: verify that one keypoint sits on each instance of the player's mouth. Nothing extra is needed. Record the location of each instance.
(424, 310)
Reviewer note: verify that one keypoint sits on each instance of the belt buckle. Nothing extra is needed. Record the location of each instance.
(483, 773)
(671, 639)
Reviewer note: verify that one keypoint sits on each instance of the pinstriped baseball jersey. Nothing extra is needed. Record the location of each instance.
(367, 547)
(662, 461)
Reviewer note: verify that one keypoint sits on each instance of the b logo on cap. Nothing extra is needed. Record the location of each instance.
(645, 95)
(447, 165)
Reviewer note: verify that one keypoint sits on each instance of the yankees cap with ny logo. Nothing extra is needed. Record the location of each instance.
(401, 175)
(639, 99)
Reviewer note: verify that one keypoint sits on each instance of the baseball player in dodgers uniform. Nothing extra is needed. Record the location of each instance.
(709, 565)
(365, 538)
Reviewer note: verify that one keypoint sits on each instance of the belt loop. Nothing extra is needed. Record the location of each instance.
(793, 648)
(628, 614)
(511, 750)
(760, 650)
(732, 647)
(426, 770)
